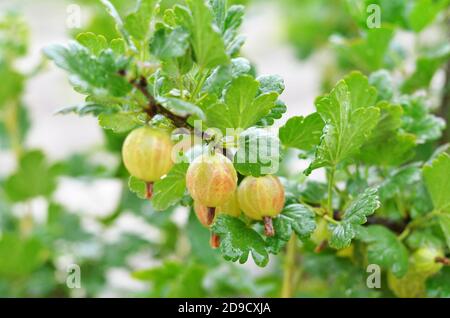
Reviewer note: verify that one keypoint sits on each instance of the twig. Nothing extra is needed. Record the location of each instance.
(289, 269)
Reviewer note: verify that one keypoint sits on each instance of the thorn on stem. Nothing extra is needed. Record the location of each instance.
(214, 241)
(149, 190)
(268, 226)
(211, 215)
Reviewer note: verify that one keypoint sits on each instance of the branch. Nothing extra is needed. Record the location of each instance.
(395, 226)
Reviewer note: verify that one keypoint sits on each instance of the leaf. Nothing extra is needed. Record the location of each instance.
(20, 256)
(348, 120)
(444, 222)
(417, 119)
(12, 88)
(384, 249)
(199, 240)
(167, 43)
(356, 214)
(398, 180)
(426, 67)
(138, 23)
(138, 187)
(302, 132)
(223, 74)
(300, 218)
(438, 286)
(119, 122)
(275, 113)
(258, 153)
(294, 217)
(271, 83)
(437, 180)
(241, 107)
(388, 145)
(383, 82)
(237, 241)
(206, 41)
(119, 23)
(423, 13)
(170, 190)
(95, 43)
(89, 74)
(181, 107)
(173, 279)
(84, 109)
(367, 52)
(34, 177)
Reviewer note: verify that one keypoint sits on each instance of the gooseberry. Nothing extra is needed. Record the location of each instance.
(261, 198)
(211, 179)
(146, 154)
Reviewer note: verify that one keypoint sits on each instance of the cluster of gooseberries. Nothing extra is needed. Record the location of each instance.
(211, 180)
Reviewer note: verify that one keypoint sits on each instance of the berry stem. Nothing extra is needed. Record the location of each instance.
(443, 260)
(268, 226)
(214, 241)
(211, 215)
(149, 190)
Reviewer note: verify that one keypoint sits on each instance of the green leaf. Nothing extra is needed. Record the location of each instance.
(348, 120)
(384, 249)
(302, 132)
(294, 217)
(383, 82)
(206, 41)
(138, 187)
(95, 43)
(417, 119)
(437, 180)
(426, 67)
(387, 145)
(423, 13)
(300, 218)
(444, 222)
(258, 152)
(181, 107)
(34, 177)
(275, 113)
(223, 74)
(138, 23)
(112, 11)
(271, 83)
(12, 88)
(119, 122)
(167, 43)
(84, 109)
(241, 107)
(89, 74)
(21, 256)
(174, 279)
(398, 180)
(237, 241)
(199, 240)
(438, 286)
(356, 214)
(367, 52)
(170, 190)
